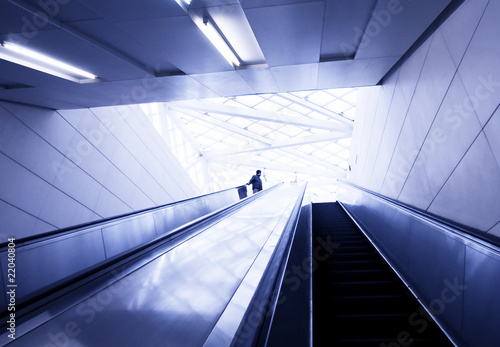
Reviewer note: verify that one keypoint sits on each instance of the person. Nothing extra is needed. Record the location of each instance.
(256, 182)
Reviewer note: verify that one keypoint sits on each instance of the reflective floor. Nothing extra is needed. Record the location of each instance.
(182, 296)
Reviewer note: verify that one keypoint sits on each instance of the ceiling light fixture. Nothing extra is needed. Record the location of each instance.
(34, 60)
(212, 32)
(183, 3)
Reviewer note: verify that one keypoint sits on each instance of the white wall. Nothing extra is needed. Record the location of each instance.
(429, 135)
(61, 168)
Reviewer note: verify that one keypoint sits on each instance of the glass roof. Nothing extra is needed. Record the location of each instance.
(297, 136)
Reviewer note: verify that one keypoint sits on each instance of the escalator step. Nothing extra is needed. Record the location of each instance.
(404, 339)
(357, 299)
(360, 275)
(353, 249)
(374, 264)
(381, 326)
(369, 304)
(353, 256)
(363, 288)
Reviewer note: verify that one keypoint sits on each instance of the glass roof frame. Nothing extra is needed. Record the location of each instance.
(302, 135)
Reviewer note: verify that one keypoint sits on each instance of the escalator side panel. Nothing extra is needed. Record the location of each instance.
(358, 299)
(46, 264)
(292, 317)
(173, 295)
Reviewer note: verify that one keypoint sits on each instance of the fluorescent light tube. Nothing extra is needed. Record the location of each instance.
(212, 33)
(34, 60)
(183, 4)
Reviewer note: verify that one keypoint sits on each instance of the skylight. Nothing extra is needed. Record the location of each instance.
(235, 144)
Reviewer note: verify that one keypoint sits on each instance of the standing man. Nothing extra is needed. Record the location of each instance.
(256, 182)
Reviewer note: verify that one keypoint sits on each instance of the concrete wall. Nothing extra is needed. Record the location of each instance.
(61, 168)
(429, 135)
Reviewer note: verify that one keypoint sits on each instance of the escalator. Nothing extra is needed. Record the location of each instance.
(358, 300)
(198, 285)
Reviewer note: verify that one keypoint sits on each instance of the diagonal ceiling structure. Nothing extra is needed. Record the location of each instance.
(303, 136)
(153, 51)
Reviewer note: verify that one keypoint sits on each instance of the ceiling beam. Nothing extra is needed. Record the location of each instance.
(205, 106)
(315, 161)
(224, 125)
(174, 118)
(296, 141)
(313, 107)
(312, 171)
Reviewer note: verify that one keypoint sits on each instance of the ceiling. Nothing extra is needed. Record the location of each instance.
(151, 50)
(295, 136)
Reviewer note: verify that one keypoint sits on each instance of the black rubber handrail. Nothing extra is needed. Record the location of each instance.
(47, 295)
(475, 235)
(78, 227)
(264, 302)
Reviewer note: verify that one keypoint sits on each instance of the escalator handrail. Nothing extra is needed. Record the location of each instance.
(42, 297)
(270, 283)
(449, 227)
(79, 227)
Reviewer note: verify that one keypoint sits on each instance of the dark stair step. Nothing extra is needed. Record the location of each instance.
(353, 256)
(374, 326)
(352, 243)
(338, 231)
(369, 304)
(374, 264)
(370, 288)
(360, 275)
(353, 249)
(404, 339)
(347, 238)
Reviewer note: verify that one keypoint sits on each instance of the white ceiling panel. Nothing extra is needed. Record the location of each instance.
(190, 86)
(110, 35)
(42, 97)
(264, 3)
(130, 43)
(78, 11)
(181, 43)
(19, 24)
(368, 72)
(333, 74)
(121, 10)
(290, 77)
(289, 34)
(224, 83)
(343, 27)
(395, 25)
(260, 80)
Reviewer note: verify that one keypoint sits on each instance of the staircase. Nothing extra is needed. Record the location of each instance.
(357, 299)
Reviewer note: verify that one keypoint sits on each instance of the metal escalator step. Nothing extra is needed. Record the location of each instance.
(373, 264)
(353, 249)
(353, 256)
(352, 243)
(360, 275)
(363, 288)
(404, 339)
(369, 304)
(379, 326)
(347, 238)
